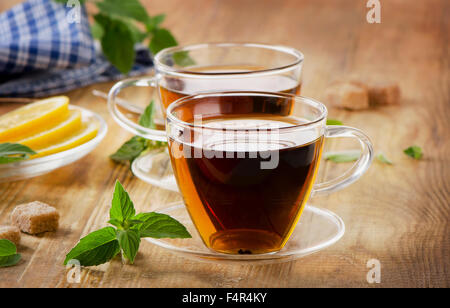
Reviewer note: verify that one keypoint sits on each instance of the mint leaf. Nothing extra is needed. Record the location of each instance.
(97, 30)
(133, 222)
(158, 225)
(146, 118)
(414, 152)
(129, 241)
(334, 122)
(138, 35)
(161, 39)
(96, 248)
(130, 150)
(7, 248)
(128, 8)
(115, 222)
(342, 157)
(383, 159)
(154, 22)
(117, 42)
(183, 59)
(122, 207)
(10, 260)
(13, 152)
(8, 253)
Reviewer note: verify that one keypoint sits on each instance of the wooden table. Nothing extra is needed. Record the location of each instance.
(397, 214)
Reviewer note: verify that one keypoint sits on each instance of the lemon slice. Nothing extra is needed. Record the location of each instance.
(33, 118)
(86, 133)
(55, 134)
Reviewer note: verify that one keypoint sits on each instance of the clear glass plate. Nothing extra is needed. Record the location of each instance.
(155, 168)
(316, 230)
(39, 166)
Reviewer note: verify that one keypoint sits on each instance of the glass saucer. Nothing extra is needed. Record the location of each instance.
(316, 230)
(39, 166)
(155, 168)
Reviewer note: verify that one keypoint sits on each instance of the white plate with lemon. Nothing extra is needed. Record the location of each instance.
(57, 132)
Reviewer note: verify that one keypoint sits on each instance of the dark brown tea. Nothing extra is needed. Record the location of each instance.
(239, 207)
(172, 88)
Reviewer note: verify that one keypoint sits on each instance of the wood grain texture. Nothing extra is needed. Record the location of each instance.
(397, 214)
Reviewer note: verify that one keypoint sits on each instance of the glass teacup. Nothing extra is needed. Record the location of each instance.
(246, 163)
(185, 70)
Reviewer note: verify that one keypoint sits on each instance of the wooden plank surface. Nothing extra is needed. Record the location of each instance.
(397, 214)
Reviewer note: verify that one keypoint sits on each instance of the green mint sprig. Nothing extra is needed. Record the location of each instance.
(383, 159)
(334, 122)
(13, 152)
(353, 155)
(414, 152)
(8, 253)
(134, 147)
(103, 245)
(119, 25)
(342, 156)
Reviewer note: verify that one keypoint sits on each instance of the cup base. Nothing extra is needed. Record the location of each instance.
(245, 241)
(316, 230)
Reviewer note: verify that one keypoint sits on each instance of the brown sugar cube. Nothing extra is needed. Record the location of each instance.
(348, 94)
(11, 233)
(384, 94)
(35, 217)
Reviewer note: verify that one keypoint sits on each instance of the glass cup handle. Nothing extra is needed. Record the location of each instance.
(357, 170)
(122, 120)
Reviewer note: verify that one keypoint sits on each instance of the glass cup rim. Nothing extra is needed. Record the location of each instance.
(310, 101)
(183, 72)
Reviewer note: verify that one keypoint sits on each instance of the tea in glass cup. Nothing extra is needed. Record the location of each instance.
(213, 67)
(246, 163)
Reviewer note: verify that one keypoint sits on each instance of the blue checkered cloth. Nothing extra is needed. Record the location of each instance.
(43, 52)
